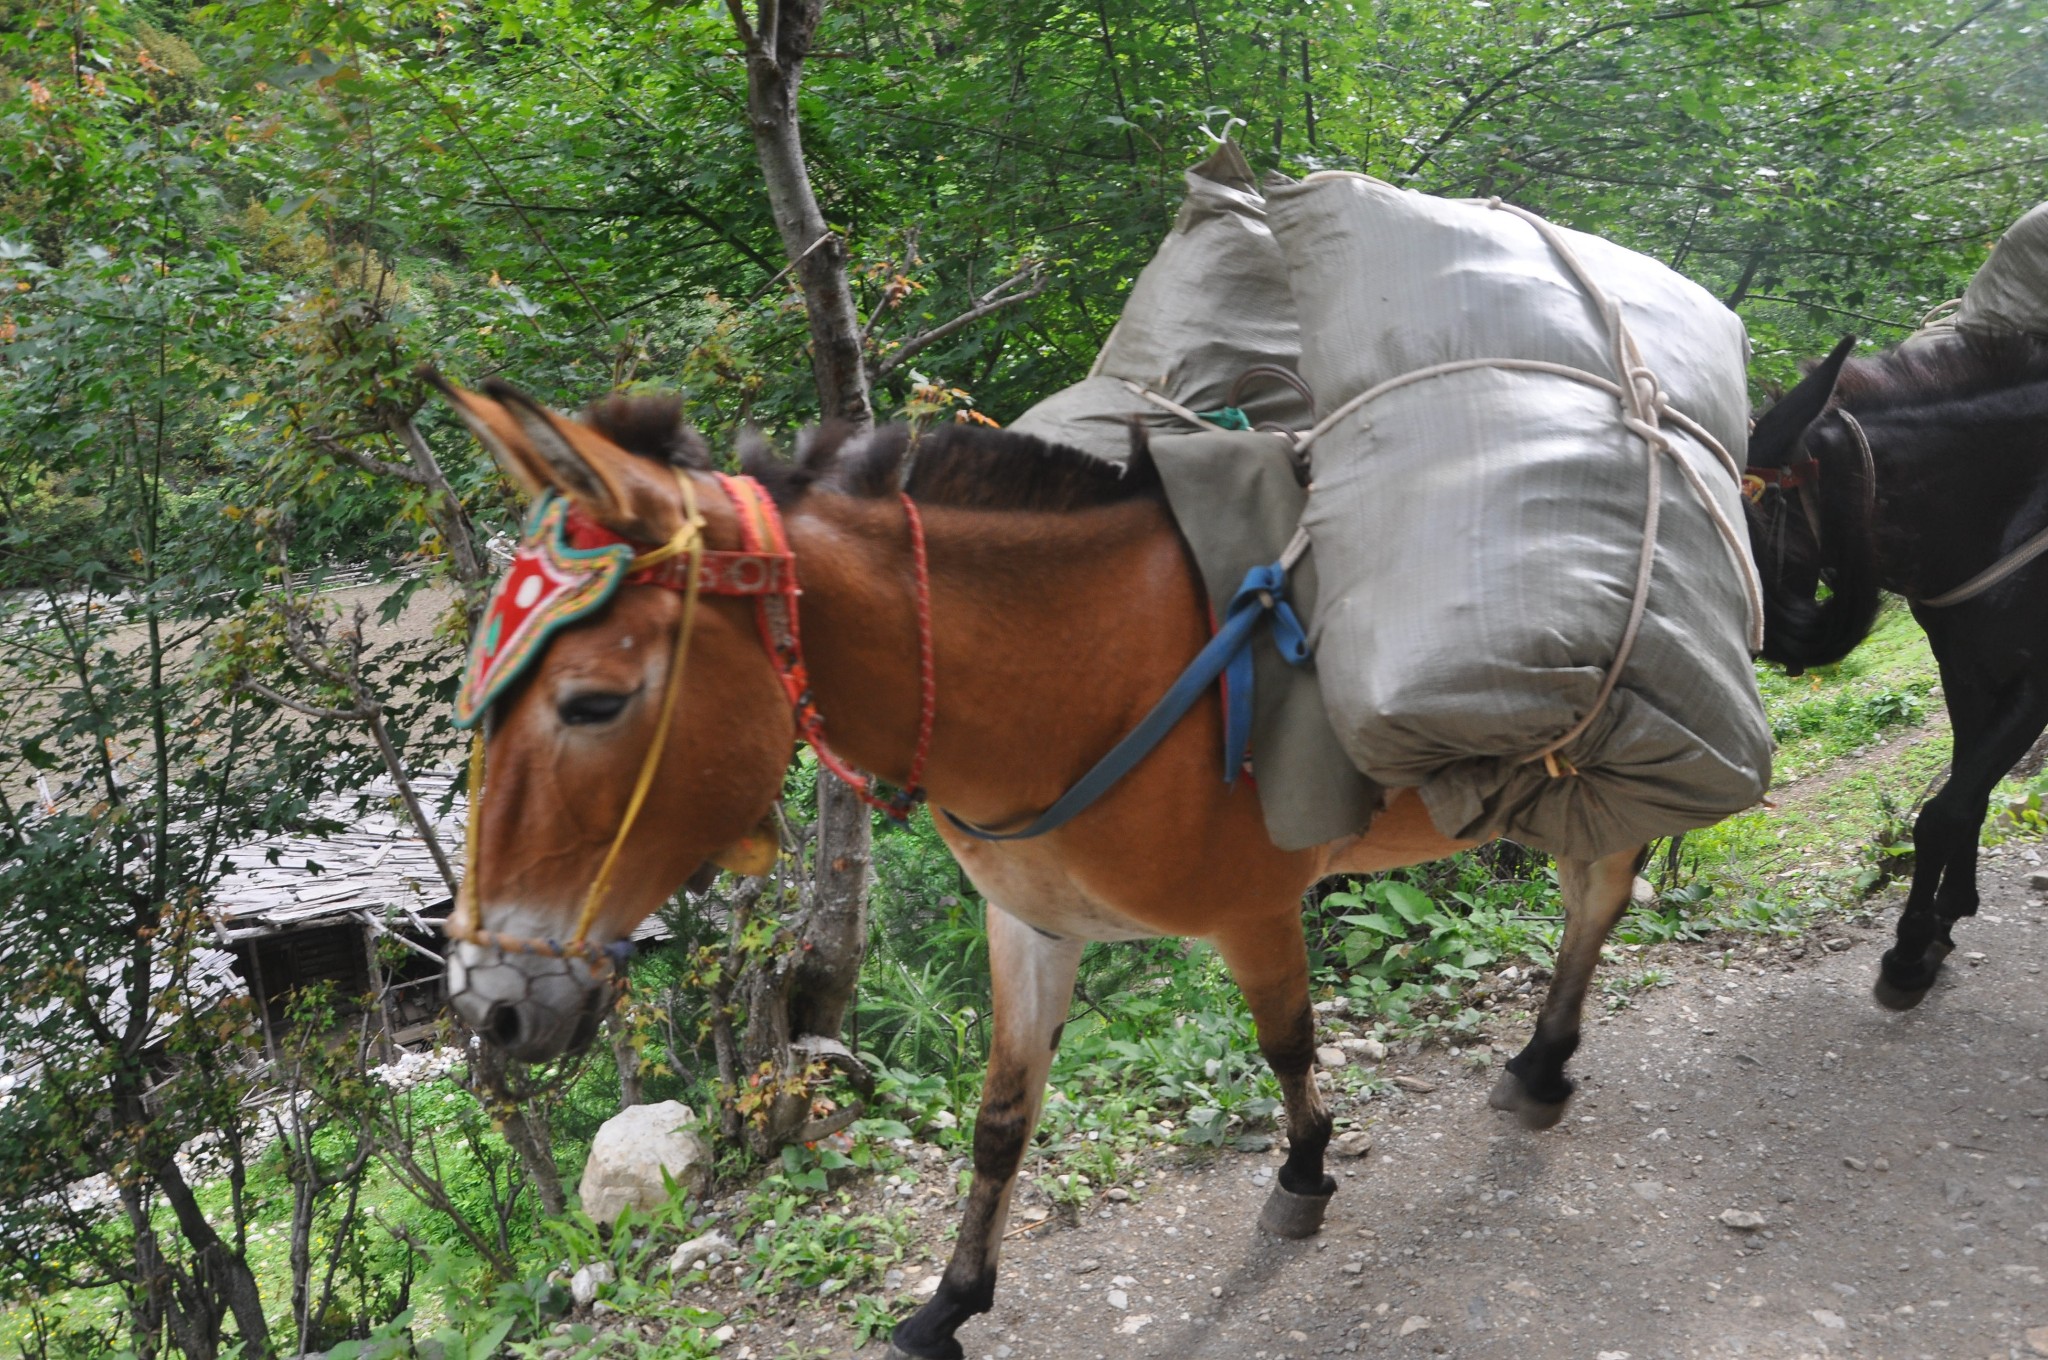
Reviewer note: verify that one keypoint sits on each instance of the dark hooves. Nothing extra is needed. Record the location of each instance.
(1295, 1216)
(1901, 987)
(954, 1352)
(1511, 1096)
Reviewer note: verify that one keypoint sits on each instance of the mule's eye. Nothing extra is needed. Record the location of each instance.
(587, 710)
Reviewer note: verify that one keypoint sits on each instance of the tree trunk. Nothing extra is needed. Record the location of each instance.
(810, 994)
(524, 1125)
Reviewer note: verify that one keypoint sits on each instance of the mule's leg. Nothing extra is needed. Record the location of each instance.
(1034, 985)
(1993, 729)
(1270, 962)
(1534, 1087)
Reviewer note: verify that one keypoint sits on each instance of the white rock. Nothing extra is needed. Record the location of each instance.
(584, 1284)
(1651, 1191)
(1742, 1220)
(1329, 1055)
(1135, 1323)
(631, 1151)
(1832, 1321)
(725, 1334)
(1365, 1050)
(700, 1251)
(1413, 1325)
(926, 1287)
(1352, 1143)
(1118, 1299)
(1640, 892)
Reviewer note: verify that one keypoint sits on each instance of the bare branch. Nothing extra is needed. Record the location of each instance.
(378, 467)
(739, 22)
(990, 303)
(265, 692)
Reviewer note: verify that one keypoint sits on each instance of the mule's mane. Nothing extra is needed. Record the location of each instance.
(1942, 370)
(977, 468)
(968, 466)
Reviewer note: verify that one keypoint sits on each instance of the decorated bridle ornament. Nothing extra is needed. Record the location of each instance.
(566, 568)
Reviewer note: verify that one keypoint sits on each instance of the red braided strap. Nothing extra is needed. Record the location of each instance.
(776, 615)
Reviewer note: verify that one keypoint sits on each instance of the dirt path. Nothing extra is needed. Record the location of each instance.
(1900, 1165)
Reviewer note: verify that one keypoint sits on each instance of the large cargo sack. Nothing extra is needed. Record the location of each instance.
(1212, 305)
(1480, 534)
(2010, 293)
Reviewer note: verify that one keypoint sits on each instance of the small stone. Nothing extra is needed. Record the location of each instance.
(1354, 1267)
(1352, 1143)
(1640, 892)
(699, 1252)
(1036, 1213)
(584, 1284)
(1329, 1055)
(1411, 1326)
(1837, 945)
(1855, 1164)
(1974, 956)
(1881, 1164)
(1134, 1324)
(2037, 1337)
(1085, 1267)
(1118, 1299)
(1658, 1136)
(725, 1334)
(1612, 1355)
(1365, 1050)
(1416, 1084)
(1652, 1191)
(1297, 1337)
(925, 1287)
(1119, 1194)
(1832, 1321)
(2039, 883)
(1215, 1291)
(1742, 1220)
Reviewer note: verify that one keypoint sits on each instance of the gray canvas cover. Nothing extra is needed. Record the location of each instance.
(2010, 293)
(1238, 502)
(1212, 303)
(1478, 534)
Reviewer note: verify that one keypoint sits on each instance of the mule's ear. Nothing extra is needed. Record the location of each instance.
(1779, 430)
(632, 496)
(495, 429)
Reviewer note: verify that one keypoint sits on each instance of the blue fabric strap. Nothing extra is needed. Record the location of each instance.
(1229, 654)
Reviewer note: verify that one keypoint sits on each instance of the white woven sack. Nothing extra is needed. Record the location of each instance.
(2010, 293)
(1213, 303)
(1479, 533)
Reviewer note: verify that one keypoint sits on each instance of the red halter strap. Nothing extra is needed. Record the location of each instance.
(775, 612)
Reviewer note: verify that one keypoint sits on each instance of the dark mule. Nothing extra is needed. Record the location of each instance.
(1918, 471)
(1061, 603)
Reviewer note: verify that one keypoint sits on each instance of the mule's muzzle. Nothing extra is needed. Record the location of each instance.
(535, 1007)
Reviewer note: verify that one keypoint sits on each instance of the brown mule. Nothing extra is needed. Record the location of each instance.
(1062, 604)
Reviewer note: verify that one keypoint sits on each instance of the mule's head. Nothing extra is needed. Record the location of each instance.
(565, 737)
(1819, 534)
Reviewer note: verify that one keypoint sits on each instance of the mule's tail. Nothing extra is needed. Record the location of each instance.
(1817, 618)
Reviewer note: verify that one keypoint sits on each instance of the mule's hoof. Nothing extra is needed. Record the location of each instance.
(954, 1352)
(1510, 1096)
(1901, 986)
(1896, 998)
(1290, 1215)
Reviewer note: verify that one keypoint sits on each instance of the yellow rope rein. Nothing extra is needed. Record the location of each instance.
(466, 923)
